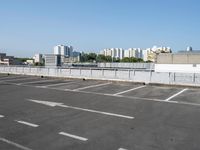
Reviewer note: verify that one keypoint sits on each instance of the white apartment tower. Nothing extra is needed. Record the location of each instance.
(63, 50)
(113, 52)
(133, 52)
(38, 58)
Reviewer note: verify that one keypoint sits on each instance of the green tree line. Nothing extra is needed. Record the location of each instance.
(93, 57)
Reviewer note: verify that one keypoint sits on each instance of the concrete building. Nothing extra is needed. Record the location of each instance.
(185, 62)
(133, 52)
(117, 53)
(29, 62)
(150, 54)
(145, 54)
(67, 54)
(66, 51)
(38, 58)
(52, 60)
(7, 60)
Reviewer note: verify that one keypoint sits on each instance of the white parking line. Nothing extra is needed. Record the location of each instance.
(73, 136)
(57, 84)
(1, 116)
(16, 79)
(10, 77)
(91, 86)
(168, 99)
(53, 104)
(40, 81)
(14, 144)
(122, 149)
(130, 90)
(27, 123)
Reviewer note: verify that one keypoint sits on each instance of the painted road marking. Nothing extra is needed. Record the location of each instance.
(73, 136)
(16, 79)
(130, 90)
(53, 104)
(168, 99)
(57, 84)
(10, 77)
(27, 123)
(40, 81)
(91, 86)
(122, 149)
(129, 97)
(14, 144)
(1, 116)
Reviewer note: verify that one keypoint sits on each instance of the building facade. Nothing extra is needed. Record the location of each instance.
(38, 58)
(63, 50)
(117, 53)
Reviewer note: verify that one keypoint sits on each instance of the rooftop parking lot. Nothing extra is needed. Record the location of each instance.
(74, 114)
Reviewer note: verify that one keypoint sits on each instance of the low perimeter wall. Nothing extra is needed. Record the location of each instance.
(192, 79)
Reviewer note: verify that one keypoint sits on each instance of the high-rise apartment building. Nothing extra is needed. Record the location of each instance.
(133, 52)
(63, 50)
(113, 52)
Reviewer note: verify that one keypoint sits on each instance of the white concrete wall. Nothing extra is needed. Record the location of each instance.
(129, 75)
(182, 68)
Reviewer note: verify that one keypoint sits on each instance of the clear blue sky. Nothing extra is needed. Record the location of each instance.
(31, 26)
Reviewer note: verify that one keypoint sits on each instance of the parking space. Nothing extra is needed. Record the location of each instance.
(152, 92)
(78, 84)
(44, 82)
(190, 96)
(11, 77)
(89, 114)
(111, 88)
(22, 79)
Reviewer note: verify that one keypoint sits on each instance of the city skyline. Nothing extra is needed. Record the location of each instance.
(30, 27)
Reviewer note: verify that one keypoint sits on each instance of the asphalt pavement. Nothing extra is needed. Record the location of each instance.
(58, 114)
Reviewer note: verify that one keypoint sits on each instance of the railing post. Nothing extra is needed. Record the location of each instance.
(174, 76)
(91, 72)
(194, 78)
(150, 76)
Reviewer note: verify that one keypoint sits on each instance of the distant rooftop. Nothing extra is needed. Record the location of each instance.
(189, 52)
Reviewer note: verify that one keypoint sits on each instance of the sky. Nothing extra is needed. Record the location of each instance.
(36, 26)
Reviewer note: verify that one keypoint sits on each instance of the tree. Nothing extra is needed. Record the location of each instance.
(131, 59)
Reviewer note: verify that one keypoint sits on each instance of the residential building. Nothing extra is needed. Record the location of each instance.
(63, 50)
(117, 53)
(133, 52)
(38, 58)
(7, 60)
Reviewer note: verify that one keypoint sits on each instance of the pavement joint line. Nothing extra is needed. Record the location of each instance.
(122, 149)
(168, 99)
(14, 144)
(130, 90)
(27, 123)
(53, 104)
(2, 116)
(73, 136)
(91, 86)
